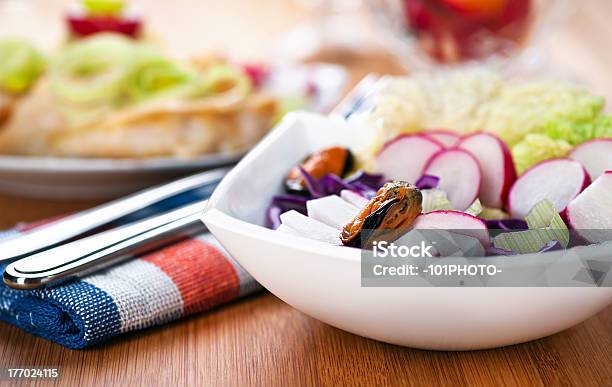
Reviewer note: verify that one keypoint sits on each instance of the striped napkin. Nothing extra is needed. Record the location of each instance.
(189, 277)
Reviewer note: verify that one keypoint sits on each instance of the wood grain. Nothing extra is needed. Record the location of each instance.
(261, 340)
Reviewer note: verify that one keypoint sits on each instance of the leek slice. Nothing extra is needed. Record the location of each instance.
(93, 70)
(475, 208)
(156, 76)
(493, 214)
(545, 216)
(20, 65)
(545, 225)
(224, 78)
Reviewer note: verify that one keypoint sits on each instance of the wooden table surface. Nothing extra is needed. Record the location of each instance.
(260, 340)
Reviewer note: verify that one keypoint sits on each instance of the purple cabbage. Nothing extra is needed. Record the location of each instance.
(506, 224)
(427, 182)
(365, 184)
(281, 204)
(362, 183)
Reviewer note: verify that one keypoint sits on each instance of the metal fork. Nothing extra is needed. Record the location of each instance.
(42, 259)
(45, 237)
(90, 254)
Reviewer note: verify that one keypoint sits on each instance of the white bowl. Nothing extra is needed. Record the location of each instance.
(324, 281)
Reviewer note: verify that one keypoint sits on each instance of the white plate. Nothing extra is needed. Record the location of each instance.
(64, 178)
(324, 281)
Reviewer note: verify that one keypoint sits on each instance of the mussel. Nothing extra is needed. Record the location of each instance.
(387, 216)
(335, 160)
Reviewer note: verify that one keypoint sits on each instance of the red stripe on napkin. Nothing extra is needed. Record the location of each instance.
(202, 274)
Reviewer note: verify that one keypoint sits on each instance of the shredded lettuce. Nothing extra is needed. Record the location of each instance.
(435, 200)
(535, 148)
(578, 132)
(20, 65)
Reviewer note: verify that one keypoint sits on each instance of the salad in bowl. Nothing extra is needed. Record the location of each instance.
(304, 207)
(542, 167)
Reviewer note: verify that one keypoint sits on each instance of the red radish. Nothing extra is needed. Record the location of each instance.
(558, 180)
(590, 214)
(404, 157)
(459, 173)
(498, 172)
(454, 221)
(445, 137)
(595, 156)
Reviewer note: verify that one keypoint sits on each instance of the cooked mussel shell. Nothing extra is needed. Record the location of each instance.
(387, 216)
(335, 160)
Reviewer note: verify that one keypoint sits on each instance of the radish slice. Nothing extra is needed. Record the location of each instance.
(454, 221)
(445, 137)
(331, 210)
(309, 228)
(558, 180)
(404, 157)
(353, 198)
(460, 176)
(595, 156)
(590, 214)
(498, 172)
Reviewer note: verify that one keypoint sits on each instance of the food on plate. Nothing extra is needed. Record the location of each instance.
(20, 67)
(465, 180)
(111, 96)
(111, 91)
(334, 160)
(388, 215)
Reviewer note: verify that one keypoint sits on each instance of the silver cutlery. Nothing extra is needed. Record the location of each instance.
(96, 252)
(45, 237)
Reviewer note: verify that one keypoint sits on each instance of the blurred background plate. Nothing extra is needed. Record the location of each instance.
(73, 178)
